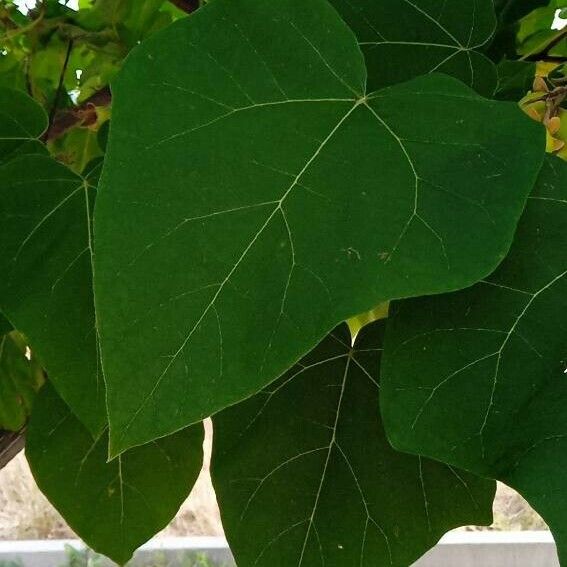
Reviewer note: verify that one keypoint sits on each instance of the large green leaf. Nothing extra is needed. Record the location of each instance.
(21, 376)
(477, 378)
(402, 39)
(46, 285)
(22, 121)
(268, 199)
(304, 474)
(114, 507)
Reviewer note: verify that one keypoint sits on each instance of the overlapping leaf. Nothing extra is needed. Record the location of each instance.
(477, 378)
(402, 39)
(114, 507)
(272, 197)
(46, 285)
(22, 121)
(304, 474)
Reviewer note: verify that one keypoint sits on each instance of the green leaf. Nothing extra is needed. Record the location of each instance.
(113, 506)
(304, 475)
(46, 285)
(510, 11)
(5, 326)
(270, 199)
(515, 79)
(21, 377)
(22, 121)
(402, 39)
(477, 378)
(510, 14)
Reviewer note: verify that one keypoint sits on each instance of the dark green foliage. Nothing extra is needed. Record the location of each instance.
(272, 169)
(497, 354)
(115, 506)
(304, 474)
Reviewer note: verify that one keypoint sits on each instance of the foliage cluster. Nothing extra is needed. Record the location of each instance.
(326, 224)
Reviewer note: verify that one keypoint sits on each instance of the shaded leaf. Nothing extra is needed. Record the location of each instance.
(288, 202)
(515, 79)
(113, 506)
(21, 376)
(46, 284)
(510, 14)
(304, 474)
(477, 378)
(402, 39)
(510, 11)
(5, 326)
(22, 121)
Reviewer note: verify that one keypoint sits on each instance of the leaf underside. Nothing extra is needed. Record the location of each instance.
(495, 353)
(113, 506)
(304, 475)
(289, 200)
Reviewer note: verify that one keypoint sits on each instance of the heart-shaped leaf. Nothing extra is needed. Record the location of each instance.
(46, 285)
(271, 197)
(477, 378)
(304, 474)
(113, 506)
(402, 39)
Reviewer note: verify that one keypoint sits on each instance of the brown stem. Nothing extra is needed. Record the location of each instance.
(10, 445)
(60, 84)
(187, 6)
(69, 117)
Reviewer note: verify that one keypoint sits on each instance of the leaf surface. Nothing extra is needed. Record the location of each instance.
(477, 378)
(113, 506)
(46, 285)
(304, 474)
(271, 198)
(403, 39)
(22, 121)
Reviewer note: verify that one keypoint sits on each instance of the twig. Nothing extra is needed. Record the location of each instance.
(60, 85)
(10, 445)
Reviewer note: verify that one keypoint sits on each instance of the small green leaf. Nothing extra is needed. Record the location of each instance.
(402, 39)
(510, 11)
(46, 285)
(477, 378)
(113, 506)
(22, 121)
(271, 199)
(304, 474)
(21, 376)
